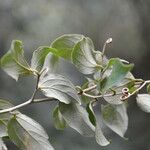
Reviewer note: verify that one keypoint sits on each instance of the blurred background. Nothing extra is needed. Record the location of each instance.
(39, 22)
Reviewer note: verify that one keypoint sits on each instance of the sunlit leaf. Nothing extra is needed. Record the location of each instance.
(59, 121)
(50, 63)
(28, 134)
(65, 44)
(39, 56)
(14, 63)
(58, 87)
(83, 56)
(116, 118)
(143, 101)
(77, 118)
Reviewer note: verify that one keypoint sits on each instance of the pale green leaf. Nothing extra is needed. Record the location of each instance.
(148, 88)
(116, 118)
(115, 99)
(99, 136)
(83, 56)
(5, 117)
(58, 87)
(40, 55)
(14, 63)
(65, 44)
(4, 104)
(3, 129)
(50, 63)
(59, 121)
(143, 101)
(28, 134)
(2, 145)
(77, 118)
(118, 73)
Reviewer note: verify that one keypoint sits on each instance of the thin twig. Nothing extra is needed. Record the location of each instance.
(15, 107)
(44, 99)
(138, 89)
(99, 96)
(108, 41)
(90, 88)
(33, 100)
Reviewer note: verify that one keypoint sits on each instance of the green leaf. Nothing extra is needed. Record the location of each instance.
(127, 82)
(143, 101)
(148, 88)
(59, 121)
(40, 55)
(84, 99)
(2, 145)
(99, 136)
(116, 118)
(14, 63)
(57, 86)
(65, 44)
(50, 63)
(77, 118)
(4, 104)
(118, 73)
(83, 56)
(91, 114)
(3, 129)
(28, 134)
(115, 99)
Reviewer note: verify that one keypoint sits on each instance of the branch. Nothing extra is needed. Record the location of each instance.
(138, 89)
(15, 107)
(44, 99)
(83, 92)
(99, 96)
(89, 88)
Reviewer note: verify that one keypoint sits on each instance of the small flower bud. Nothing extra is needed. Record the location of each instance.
(109, 40)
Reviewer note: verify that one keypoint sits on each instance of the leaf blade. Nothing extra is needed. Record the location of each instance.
(65, 44)
(2, 145)
(82, 56)
(59, 121)
(14, 63)
(99, 136)
(77, 118)
(119, 71)
(57, 86)
(143, 101)
(115, 117)
(39, 56)
(28, 134)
